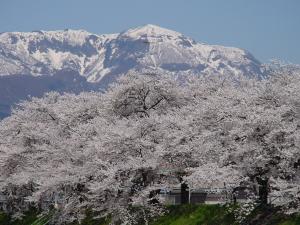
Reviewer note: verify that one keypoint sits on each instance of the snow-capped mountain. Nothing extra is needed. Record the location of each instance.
(96, 60)
(98, 56)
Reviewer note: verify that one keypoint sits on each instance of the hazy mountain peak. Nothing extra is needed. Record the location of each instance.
(150, 30)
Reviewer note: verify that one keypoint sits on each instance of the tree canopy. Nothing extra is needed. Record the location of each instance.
(114, 150)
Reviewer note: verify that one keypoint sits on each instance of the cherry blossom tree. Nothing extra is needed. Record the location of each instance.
(112, 152)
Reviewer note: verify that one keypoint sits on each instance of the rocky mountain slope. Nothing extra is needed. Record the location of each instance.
(36, 62)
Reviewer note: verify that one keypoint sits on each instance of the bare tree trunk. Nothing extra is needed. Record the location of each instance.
(263, 190)
(184, 193)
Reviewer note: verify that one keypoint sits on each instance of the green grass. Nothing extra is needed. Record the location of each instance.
(293, 220)
(267, 215)
(89, 220)
(28, 219)
(280, 219)
(196, 215)
(34, 218)
(178, 215)
(3, 218)
(219, 215)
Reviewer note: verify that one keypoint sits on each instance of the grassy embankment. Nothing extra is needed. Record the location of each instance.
(183, 215)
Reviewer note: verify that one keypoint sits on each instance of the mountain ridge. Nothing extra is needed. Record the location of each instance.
(96, 56)
(71, 60)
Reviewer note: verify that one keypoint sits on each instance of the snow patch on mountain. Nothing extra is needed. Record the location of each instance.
(98, 57)
(150, 31)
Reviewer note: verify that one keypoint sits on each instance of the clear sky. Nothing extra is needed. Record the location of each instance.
(267, 28)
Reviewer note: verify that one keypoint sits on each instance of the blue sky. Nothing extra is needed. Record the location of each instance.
(267, 28)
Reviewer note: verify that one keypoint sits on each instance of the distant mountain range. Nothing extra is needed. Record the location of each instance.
(75, 60)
